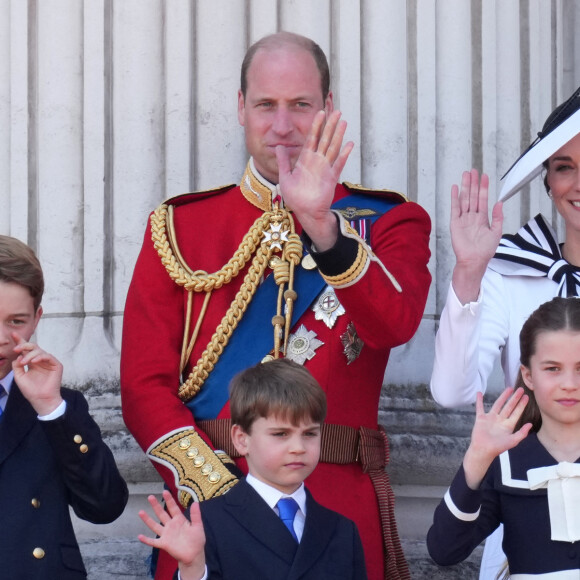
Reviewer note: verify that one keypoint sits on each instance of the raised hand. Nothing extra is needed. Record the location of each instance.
(38, 375)
(181, 538)
(493, 433)
(473, 237)
(308, 188)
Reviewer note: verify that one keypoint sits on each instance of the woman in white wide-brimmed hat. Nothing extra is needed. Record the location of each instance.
(496, 284)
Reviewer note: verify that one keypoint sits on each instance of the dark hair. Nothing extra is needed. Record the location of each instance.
(281, 40)
(19, 264)
(562, 112)
(281, 388)
(546, 165)
(557, 314)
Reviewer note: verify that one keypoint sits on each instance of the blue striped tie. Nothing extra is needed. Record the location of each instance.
(287, 508)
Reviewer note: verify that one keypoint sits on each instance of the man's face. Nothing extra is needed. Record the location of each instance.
(17, 316)
(282, 97)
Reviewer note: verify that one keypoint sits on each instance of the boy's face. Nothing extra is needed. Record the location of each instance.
(279, 453)
(17, 316)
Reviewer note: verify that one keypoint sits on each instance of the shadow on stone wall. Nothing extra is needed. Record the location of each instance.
(427, 441)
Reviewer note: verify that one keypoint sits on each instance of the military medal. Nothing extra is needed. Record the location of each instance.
(274, 236)
(352, 343)
(302, 345)
(327, 307)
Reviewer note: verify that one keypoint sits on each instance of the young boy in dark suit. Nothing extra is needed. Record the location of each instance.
(277, 411)
(51, 451)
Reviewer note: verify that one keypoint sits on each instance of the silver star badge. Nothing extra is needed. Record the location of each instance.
(275, 237)
(302, 345)
(328, 308)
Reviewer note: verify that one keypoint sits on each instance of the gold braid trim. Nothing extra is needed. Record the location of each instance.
(228, 324)
(355, 270)
(200, 281)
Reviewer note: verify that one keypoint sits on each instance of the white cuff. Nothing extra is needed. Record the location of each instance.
(58, 412)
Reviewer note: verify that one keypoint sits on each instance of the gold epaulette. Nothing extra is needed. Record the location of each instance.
(199, 471)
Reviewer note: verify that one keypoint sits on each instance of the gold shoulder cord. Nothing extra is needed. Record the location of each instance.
(271, 241)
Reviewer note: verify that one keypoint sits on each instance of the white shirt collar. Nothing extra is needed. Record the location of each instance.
(271, 186)
(271, 495)
(6, 382)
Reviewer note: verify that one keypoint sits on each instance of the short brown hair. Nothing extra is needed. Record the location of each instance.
(280, 388)
(19, 264)
(281, 40)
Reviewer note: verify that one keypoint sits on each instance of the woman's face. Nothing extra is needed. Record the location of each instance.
(563, 178)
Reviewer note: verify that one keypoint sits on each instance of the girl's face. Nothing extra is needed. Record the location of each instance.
(563, 178)
(554, 376)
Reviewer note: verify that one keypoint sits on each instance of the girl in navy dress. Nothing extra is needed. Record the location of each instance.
(522, 467)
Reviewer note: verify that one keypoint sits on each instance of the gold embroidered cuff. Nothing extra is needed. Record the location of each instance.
(199, 472)
(357, 269)
(363, 259)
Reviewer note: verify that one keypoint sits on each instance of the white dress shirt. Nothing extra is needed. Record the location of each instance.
(271, 496)
(6, 383)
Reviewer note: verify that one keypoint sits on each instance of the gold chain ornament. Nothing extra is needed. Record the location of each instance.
(271, 241)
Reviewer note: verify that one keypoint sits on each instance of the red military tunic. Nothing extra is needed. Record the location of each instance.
(385, 307)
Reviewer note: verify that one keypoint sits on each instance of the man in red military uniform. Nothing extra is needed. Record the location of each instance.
(235, 275)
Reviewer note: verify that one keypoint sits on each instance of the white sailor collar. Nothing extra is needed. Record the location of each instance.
(560, 480)
(534, 251)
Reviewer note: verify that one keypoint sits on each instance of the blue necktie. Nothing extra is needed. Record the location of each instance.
(287, 508)
(3, 393)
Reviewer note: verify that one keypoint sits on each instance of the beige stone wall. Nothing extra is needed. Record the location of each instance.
(109, 106)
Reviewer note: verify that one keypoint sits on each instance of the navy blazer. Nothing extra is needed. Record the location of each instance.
(45, 466)
(246, 540)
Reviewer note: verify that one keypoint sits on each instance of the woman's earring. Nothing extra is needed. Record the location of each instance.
(545, 180)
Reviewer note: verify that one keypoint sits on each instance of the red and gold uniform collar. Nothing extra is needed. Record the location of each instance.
(258, 190)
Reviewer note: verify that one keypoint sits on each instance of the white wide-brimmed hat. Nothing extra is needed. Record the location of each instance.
(562, 125)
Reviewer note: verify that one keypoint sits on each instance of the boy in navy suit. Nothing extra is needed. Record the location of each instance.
(52, 455)
(277, 411)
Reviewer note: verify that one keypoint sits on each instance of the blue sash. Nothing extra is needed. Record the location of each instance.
(254, 335)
